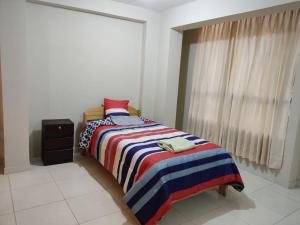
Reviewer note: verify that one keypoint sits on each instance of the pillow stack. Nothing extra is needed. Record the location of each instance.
(116, 107)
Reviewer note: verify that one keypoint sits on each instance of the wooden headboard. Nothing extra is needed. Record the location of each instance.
(97, 113)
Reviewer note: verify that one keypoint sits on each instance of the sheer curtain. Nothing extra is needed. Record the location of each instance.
(242, 85)
(210, 76)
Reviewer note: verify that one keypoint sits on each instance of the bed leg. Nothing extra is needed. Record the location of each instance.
(223, 189)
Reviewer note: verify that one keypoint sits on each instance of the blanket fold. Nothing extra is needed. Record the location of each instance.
(178, 144)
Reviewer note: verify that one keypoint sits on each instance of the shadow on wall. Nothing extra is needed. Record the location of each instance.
(35, 145)
(77, 131)
(184, 85)
(35, 142)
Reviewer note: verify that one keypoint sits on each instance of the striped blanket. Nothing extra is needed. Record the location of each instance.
(151, 177)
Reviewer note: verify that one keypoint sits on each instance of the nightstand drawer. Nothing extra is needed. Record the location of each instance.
(58, 156)
(59, 130)
(57, 143)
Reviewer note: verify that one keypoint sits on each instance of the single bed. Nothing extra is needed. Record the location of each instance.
(151, 177)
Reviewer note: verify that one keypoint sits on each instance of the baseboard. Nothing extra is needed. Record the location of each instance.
(1, 168)
(77, 156)
(257, 170)
(35, 160)
(38, 160)
(298, 183)
(292, 184)
(15, 169)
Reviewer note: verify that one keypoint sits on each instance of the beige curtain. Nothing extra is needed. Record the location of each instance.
(242, 85)
(209, 80)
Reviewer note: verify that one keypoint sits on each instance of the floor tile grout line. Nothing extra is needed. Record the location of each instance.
(30, 186)
(259, 189)
(290, 198)
(287, 196)
(104, 187)
(56, 182)
(282, 194)
(271, 184)
(35, 206)
(81, 195)
(40, 205)
(261, 178)
(298, 209)
(279, 193)
(244, 221)
(266, 186)
(69, 207)
(82, 176)
(47, 182)
(12, 201)
(66, 200)
(108, 214)
(259, 203)
(191, 220)
(6, 213)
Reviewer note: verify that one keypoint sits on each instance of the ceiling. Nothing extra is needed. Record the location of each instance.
(157, 5)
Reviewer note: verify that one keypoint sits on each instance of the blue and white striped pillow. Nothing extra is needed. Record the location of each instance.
(116, 112)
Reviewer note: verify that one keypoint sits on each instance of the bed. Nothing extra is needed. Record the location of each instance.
(151, 177)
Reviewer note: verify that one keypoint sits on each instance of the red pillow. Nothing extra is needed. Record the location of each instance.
(109, 103)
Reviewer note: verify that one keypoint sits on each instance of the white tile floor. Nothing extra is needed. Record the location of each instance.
(83, 193)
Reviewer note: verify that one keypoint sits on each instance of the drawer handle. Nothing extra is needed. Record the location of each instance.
(59, 127)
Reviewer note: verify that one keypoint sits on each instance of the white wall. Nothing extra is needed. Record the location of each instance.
(13, 27)
(297, 157)
(1, 124)
(195, 14)
(14, 82)
(298, 177)
(76, 59)
(151, 21)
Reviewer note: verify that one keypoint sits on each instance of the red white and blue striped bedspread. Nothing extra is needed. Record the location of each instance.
(153, 178)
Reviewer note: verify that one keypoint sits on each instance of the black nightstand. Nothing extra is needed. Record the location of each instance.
(57, 141)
